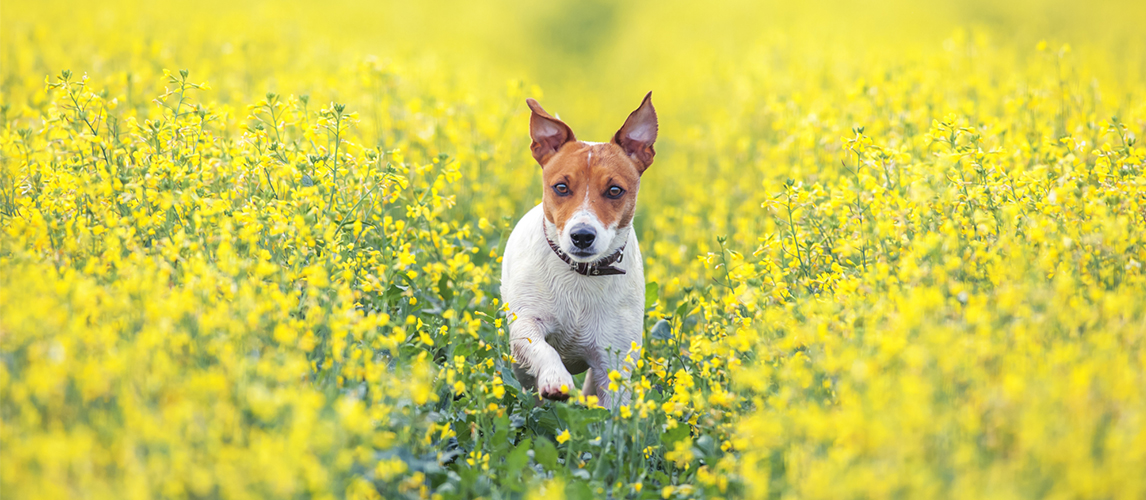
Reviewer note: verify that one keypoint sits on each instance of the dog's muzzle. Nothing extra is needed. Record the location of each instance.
(583, 236)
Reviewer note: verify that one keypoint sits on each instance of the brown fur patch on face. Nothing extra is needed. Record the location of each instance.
(591, 169)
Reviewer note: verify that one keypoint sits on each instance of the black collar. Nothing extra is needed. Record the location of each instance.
(602, 267)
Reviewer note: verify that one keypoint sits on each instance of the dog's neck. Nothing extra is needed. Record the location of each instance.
(602, 267)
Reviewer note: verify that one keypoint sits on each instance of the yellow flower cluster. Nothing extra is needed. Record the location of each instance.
(882, 262)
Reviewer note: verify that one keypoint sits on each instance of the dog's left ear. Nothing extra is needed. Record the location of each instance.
(639, 133)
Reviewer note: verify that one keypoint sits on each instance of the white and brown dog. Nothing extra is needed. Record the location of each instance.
(572, 274)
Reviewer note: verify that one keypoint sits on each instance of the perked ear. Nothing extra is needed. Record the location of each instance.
(547, 132)
(639, 133)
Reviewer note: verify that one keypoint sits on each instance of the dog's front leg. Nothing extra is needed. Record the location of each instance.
(537, 364)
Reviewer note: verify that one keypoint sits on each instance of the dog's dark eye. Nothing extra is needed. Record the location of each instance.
(614, 192)
(561, 189)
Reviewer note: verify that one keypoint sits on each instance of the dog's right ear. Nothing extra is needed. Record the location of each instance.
(547, 132)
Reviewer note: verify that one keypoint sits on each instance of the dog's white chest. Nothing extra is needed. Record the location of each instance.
(578, 313)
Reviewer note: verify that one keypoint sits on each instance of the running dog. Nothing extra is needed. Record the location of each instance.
(572, 275)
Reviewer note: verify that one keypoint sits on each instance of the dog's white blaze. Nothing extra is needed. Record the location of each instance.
(602, 245)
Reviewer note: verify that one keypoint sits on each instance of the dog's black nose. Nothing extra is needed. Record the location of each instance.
(583, 237)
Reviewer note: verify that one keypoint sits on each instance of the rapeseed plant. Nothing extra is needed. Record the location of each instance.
(909, 267)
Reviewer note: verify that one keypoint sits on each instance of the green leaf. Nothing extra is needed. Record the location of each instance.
(501, 435)
(504, 367)
(579, 490)
(594, 415)
(706, 445)
(546, 420)
(392, 294)
(444, 289)
(468, 475)
(671, 436)
(571, 416)
(545, 453)
(652, 294)
(680, 311)
(465, 349)
(515, 464)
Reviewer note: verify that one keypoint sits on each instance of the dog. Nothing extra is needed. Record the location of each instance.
(572, 276)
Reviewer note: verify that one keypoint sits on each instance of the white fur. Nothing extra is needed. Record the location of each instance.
(562, 321)
(605, 243)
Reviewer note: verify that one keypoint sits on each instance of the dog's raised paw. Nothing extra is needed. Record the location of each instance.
(555, 386)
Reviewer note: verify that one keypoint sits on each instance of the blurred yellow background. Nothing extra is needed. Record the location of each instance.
(590, 57)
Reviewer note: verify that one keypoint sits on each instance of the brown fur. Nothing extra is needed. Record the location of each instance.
(594, 174)
(592, 169)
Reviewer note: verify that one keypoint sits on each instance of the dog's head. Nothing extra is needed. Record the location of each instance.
(590, 189)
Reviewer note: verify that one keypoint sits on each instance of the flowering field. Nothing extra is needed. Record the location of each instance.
(251, 250)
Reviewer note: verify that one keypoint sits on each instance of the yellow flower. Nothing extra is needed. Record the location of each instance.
(682, 453)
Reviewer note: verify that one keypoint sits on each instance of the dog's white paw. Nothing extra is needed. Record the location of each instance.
(555, 384)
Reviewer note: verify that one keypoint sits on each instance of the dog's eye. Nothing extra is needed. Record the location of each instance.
(561, 188)
(614, 192)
